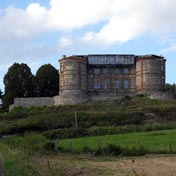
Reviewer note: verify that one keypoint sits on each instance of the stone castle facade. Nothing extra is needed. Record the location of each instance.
(101, 77)
(105, 77)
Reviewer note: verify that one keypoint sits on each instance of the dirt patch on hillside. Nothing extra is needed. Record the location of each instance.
(83, 166)
(145, 166)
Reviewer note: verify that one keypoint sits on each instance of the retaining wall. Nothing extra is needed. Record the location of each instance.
(34, 101)
(161, 95)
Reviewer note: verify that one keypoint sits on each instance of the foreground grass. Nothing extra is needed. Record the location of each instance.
(79, 165)
(23, 155)
(156, 141)
(16, 163)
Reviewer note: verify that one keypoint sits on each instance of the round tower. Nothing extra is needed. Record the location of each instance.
(150, 74)
(73, 80)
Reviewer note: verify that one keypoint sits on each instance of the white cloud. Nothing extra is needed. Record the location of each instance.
(64, 42)
(130, 19)
(71, 14)
(36, 10)
(125, 19)
(112, 32)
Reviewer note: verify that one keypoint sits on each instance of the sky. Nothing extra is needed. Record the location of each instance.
(38, 32)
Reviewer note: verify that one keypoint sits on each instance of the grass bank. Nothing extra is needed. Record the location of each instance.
(149, 142)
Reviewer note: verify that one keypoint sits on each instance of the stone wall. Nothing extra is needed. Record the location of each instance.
(69, 97)
(161, 95)
(150, 74)
(34, 101)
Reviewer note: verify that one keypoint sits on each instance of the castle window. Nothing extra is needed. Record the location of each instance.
(96, 84)
(117, 84)
(96, 71)
(105, 71)
(162, 67)
(126, 84)
(117, 71)
(105, 84)
(126, 70)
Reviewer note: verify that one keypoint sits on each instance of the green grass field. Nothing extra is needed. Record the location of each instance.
(154, 141)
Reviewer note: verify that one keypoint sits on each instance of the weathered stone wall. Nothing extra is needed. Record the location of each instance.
(73, 81)
(34, 101)
(150, 74)
(73, 74)
(161, 95)
(110, 96)
(71, 97)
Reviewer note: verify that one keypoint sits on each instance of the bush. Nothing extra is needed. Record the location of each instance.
(113, 149)
(49, 147)
(32, 143)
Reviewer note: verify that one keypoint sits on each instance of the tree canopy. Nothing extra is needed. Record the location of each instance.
(170, 87)
(46, 81)
(18, 82)
(0, 94)
(0, 98)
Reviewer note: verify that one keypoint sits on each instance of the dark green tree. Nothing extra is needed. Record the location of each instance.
(18, 83)
(46, 81)
(0, 94)
(0, 99)
(170, 88)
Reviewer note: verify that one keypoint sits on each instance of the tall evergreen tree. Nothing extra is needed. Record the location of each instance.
(18, 83)
(46, 81)
(0, 94)
(0, 98)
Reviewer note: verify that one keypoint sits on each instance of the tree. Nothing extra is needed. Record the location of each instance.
(170, 88)
(18, 83)
(0, 94)
(0, 98)
(46, 81)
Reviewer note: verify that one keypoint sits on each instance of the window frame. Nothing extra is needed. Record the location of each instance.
(117, 84)
(126, 71)
(126, 84)
(96, 71)
(97, 84)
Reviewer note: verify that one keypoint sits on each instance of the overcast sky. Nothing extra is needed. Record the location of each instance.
(38, 32)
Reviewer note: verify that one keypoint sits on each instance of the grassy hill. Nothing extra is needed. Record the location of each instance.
(93, 118)
(124, 127)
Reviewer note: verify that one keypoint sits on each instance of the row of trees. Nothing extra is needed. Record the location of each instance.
(20, 82)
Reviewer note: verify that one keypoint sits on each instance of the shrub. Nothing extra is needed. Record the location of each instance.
(32, 143)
